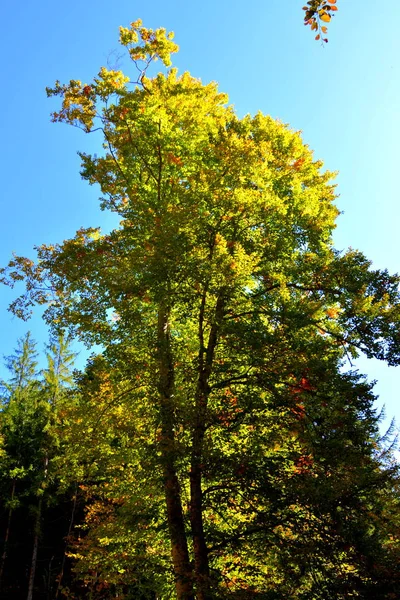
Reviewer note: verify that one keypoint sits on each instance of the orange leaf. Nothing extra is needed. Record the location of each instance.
(332, 1)
(333, 7)
(324, 29)
(317, 37)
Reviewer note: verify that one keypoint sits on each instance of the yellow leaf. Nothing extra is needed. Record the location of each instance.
(324, 17)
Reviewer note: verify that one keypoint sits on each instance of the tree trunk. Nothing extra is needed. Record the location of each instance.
(7, 535)
(202, 571)
(32, 572)
(48, 583)
(176, 523)
(206, 359)
(71, 522)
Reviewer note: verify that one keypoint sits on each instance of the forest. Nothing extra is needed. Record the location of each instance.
(219, 443)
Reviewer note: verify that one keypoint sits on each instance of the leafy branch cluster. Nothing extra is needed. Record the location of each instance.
(317, 14)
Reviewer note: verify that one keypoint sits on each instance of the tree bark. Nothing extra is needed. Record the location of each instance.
(71, 522)
(176, 523)
(206, 359)
(202, 570)
(32, 572)
(7, 535)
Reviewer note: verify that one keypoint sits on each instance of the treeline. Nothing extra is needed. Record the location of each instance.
(301, 496)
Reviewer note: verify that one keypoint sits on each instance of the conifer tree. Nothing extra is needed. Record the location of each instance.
(31, 405)
(21, 426)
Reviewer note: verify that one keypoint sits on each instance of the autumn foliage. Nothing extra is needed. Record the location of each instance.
(317, 14)
(217, 445)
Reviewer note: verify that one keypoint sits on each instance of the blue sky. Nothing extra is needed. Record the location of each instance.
(343, 96)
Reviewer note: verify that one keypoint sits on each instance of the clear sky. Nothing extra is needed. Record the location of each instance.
(343, 96)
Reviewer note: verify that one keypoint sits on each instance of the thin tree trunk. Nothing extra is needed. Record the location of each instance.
(7, 535)
(202, 571)
(49, 586)
(176, 524)
(32, 572)
(206, 359)
(71, 523)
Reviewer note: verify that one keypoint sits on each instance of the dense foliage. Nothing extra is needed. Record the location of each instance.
(217, 447)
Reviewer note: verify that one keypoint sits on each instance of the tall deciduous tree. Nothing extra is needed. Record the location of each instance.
(221, 301)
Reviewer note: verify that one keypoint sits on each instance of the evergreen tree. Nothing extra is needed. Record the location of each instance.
(31, 403)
